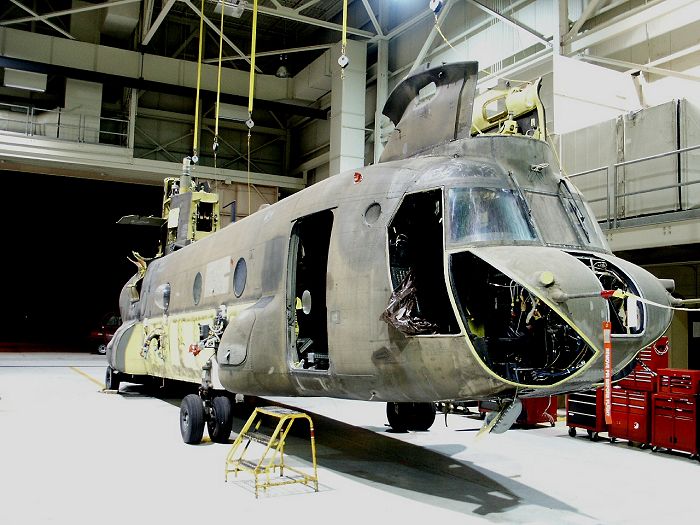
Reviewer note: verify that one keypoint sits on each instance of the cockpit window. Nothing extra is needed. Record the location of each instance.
(486, 215)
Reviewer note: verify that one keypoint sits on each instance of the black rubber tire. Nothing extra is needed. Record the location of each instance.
(396, 416)
(112, 379)
(423, 416)
(410, 416)
(220, 422)
(192, 419)
(572, 432)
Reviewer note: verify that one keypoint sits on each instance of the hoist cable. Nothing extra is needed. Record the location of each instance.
(199, 80)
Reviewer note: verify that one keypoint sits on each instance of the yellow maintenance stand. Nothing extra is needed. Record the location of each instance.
(273, 456)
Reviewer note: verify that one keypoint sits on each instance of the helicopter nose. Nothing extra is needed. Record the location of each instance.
(535, 314)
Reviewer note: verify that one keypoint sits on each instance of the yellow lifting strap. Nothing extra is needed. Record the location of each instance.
(251, 89)
(343, 60)
(195, 156)
(218, 86)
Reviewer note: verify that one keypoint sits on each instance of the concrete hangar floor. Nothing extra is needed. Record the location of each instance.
(70, 453)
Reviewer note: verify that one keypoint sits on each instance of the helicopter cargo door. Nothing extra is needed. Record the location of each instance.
(307, 268)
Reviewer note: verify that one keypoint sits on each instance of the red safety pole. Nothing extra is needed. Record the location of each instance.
(607, 368)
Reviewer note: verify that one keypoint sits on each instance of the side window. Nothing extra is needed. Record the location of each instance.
(420, 304)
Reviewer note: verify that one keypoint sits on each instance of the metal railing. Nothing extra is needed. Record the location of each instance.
(64, 125)
(613, 195)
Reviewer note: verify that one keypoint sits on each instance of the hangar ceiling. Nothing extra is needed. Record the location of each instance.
(143, 54)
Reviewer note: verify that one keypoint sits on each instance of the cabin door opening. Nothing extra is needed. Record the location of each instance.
(307, 329)
(417, 267)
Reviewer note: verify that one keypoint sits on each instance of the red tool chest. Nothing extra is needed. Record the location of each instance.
(652, 358)
(631, 415)
(675, 422)
(586, 410)
(535, 410)
(679, 381)
(538, 410)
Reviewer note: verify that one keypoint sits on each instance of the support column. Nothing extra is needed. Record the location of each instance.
(133, 105)
(347, 118)
(561, 27)
(382, 94)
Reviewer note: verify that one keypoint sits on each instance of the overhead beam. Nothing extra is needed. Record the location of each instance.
(158, 87)
(159, 20)
(431, 37)
(373, 18)
(82, 9)
(640, 67)
(640, 16)
(318, 47)
(212, 25)
(585, 15)
(185, 43)
(40, 17)
(464, 34)
(408, 24)
(147, 17)
(294, 14)
(512, 22)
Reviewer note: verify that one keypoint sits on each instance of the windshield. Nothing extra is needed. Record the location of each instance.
(486, 214)
(565, 221)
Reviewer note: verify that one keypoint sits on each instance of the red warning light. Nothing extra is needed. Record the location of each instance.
(358, 177)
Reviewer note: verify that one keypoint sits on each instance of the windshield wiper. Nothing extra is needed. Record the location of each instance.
(575, 209)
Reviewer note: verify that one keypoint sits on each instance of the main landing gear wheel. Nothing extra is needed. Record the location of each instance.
(112, 379)
(220, 420)
(410, 416)
(192, 419)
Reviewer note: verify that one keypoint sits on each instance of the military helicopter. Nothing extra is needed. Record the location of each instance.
(462, 266)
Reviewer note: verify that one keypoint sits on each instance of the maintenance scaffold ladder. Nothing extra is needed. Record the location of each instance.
(273, 456)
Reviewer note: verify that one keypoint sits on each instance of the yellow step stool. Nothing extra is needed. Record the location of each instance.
(273, 457)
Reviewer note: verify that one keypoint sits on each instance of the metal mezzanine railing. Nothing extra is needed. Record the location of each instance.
(63, 125)
(614, 195)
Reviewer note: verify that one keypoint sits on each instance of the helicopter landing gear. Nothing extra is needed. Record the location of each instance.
(410, 416)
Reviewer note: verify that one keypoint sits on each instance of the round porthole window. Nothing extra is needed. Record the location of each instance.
(197, 288)
(162, 297)
(240, 274)
(372, 213)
